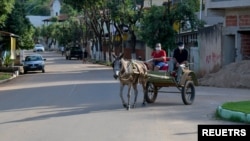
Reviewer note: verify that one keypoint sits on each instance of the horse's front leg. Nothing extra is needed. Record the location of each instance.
(136, 94)
(121, 95)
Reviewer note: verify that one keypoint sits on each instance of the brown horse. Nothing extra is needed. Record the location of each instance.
(130, 73)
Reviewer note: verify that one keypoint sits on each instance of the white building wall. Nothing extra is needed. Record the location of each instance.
(210, 49)
(55, 9)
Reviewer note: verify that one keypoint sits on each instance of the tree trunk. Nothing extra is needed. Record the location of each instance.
(133, 44)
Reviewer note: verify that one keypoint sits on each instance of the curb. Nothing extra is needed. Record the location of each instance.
(231, 115)
(6, 80)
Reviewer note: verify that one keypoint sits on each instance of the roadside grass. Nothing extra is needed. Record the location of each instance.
(4, 76)
(102, 63)
(239, 106)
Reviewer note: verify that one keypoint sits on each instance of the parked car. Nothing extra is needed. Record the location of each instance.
(34, 62)
(73, 52)
(38, 47)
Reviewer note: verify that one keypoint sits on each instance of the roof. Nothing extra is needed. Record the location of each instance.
(61, 18)
(4, 33)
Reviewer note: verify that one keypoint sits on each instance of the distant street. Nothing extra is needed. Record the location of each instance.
(72, 101)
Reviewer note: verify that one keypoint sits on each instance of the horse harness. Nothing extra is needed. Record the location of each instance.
(132, 71)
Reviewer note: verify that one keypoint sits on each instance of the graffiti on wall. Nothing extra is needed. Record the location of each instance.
(213, 58)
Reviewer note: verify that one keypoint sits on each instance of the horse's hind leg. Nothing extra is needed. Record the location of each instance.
(121, 95)
(144, 92)
(136, 94)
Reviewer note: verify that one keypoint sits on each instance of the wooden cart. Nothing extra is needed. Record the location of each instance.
(158, 79)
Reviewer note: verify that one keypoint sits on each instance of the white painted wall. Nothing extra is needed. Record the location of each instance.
(55, 8)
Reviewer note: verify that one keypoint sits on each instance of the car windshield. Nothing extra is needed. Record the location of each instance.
(33, 58)
(76, 49)
(38, 45)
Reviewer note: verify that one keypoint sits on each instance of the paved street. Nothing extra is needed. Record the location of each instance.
(72, 101)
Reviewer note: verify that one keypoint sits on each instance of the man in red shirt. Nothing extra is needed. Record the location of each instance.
(159, 57)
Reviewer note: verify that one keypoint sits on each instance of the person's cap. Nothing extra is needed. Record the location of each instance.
(180, 43)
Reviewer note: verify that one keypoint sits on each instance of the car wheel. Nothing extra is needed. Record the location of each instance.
(25, 71)
(43, 71)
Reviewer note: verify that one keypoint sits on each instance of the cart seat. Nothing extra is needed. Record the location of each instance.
(165, 67)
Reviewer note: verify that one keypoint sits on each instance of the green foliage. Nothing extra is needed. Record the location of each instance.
(194, 4)
(156, 28)
(67, 32)
(157, 23)
(185, 12)
(26, 39)
(7, 60)
(80, 5)
(42, 10)
(37, 34)
(37, 7)
(6, 7)
(126, 13)
(54, 19)
(44, 31)
(68, 9)
(18, 24)
(4, 76)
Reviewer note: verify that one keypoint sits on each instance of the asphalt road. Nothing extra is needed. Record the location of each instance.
(72, 101)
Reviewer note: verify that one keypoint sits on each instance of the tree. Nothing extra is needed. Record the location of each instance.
(157, 24)
(6, 7)
(67, 33)
(155, 28)
(126, 13)
(68, 9)
(18, 24)
(72, 32)
(132, 14)
(37, 7)
(93, 13)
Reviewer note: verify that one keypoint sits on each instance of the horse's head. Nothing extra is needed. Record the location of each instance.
(117, 65)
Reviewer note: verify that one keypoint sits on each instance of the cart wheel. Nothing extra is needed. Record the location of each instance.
(151, 92)
(188, 93)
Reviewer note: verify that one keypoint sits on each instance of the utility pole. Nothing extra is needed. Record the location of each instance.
(201, 2)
